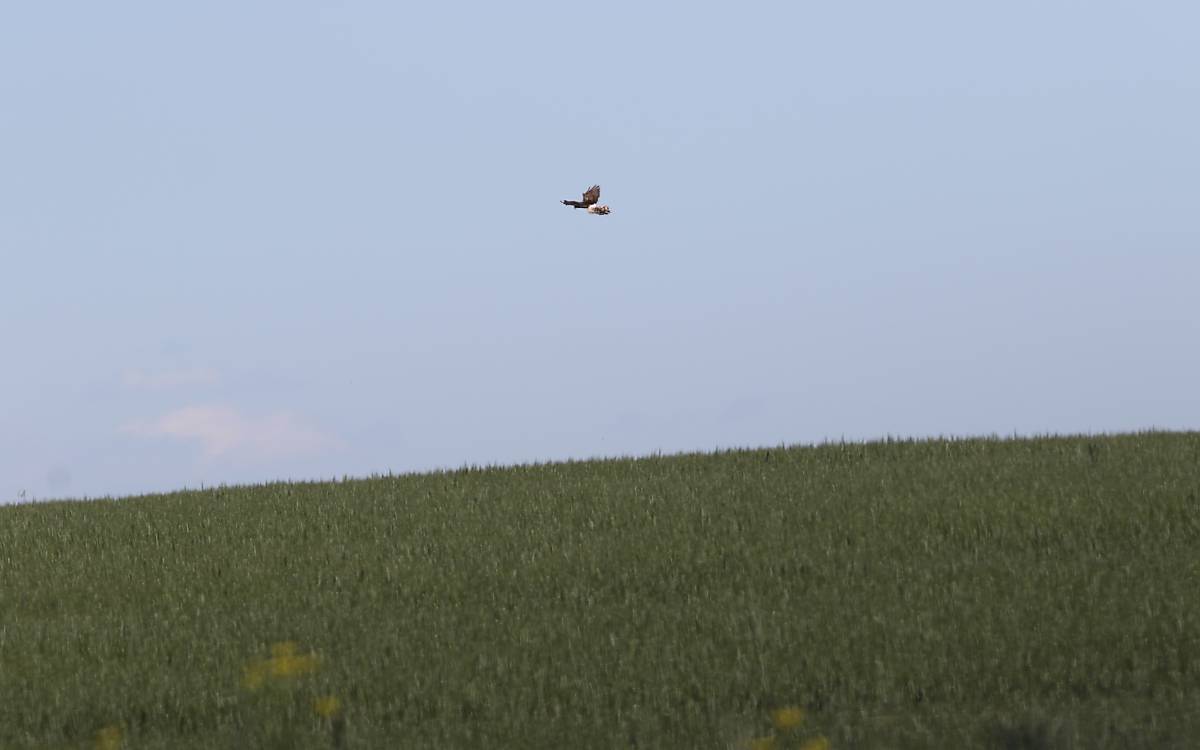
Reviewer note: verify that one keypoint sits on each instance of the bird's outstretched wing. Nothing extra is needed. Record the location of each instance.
(590, 198)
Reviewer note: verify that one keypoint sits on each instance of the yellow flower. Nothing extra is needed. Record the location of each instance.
(254, 674)
(327, 706)
(293, 666)
(108, 738)
(787, 719)
(283, 663)
(760, 743)
(816, 743)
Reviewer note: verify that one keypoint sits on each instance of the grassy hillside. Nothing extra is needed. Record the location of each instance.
(977, 593)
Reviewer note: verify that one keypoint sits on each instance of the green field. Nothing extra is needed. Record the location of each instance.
(1020, 593)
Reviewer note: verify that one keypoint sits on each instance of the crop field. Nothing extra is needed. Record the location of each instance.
(991, 593)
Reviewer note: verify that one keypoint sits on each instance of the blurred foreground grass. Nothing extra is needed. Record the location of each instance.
(969, 593)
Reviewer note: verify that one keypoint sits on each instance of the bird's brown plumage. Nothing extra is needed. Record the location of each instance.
(590, 197)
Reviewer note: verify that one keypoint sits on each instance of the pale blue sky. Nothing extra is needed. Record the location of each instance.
(242, 242)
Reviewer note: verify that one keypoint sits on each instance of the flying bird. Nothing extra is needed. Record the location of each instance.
(590, 198)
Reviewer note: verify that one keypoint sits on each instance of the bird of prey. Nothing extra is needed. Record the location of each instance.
(590, 200)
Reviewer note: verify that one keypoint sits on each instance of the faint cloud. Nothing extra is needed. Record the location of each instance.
(222, 430)
(147, 380)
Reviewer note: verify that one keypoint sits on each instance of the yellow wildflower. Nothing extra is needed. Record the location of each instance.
(293, 666)
(787, 719)
(284, 662)
(108, 738)
(816, 743)
(328, 706)
(254, 674)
